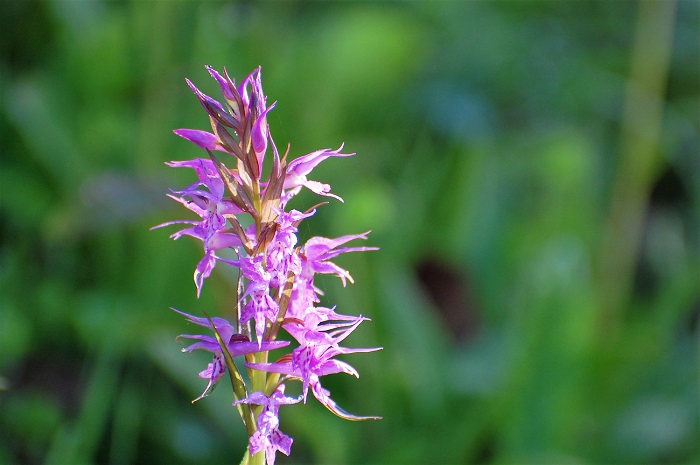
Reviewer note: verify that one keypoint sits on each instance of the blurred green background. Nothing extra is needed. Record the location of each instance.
(529, 169)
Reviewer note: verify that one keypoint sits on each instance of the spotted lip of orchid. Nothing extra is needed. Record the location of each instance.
(243, 222)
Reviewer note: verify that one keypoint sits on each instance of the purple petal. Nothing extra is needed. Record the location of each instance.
(306, 163)
(204, 97)
(169, 223)
(332, 367)
(347, 331)
(209, 346)
(223, 83)
(221, 241)
(284, 368)
(332, 352)
(243, 86)
(323, 396)
(190, 205)
(321, 189)
(220, 323)
(317, 245)
(214, 371)
(332, 268)
(259, 134)
(203, 271)
(282, 442)
(243, 348)
(257, 398)
(203, 139)
(203, 167)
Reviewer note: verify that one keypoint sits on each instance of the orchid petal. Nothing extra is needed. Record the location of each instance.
(202, 139)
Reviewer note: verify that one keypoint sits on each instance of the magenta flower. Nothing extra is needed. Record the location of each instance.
(319, 250)
(203, 139)
(268, 437)
(282, 255)
(211, 207)
(242, 222)
(315, 258)
(261, 307)
(237, 344)
(298, 170)
(313, 358)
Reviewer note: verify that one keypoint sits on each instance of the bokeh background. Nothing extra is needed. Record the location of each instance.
(530, 170)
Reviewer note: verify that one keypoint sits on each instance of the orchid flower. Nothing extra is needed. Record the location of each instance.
(243, 222)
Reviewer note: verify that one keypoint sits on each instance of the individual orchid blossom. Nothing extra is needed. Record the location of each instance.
(281, 256)
(268, 437)
(237, 344)
(211, 207)
(302, 166)
(318, 251)
(243, 222)
(261, 307)
(313, 358)
(315, 258)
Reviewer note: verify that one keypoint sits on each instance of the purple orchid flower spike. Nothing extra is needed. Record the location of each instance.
(242, 222)
(268, 437)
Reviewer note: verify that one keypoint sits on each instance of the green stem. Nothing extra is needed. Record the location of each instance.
(257, 203)
(258, 382)
(258, 459)
(639, 159)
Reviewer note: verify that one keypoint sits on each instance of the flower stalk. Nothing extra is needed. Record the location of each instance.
(276, 300)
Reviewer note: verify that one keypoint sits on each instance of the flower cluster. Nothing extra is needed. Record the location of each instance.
(246, 214)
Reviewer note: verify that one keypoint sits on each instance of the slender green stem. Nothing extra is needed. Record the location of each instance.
(257, 459)
(258, 382)
(640, 158)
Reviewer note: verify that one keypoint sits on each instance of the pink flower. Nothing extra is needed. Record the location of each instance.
(299, 168)
(236, 344)
(268, 437)
(240, 211)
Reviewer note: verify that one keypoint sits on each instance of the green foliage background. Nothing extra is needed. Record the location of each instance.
(529, 169)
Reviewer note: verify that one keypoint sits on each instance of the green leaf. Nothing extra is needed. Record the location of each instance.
(239, 388)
